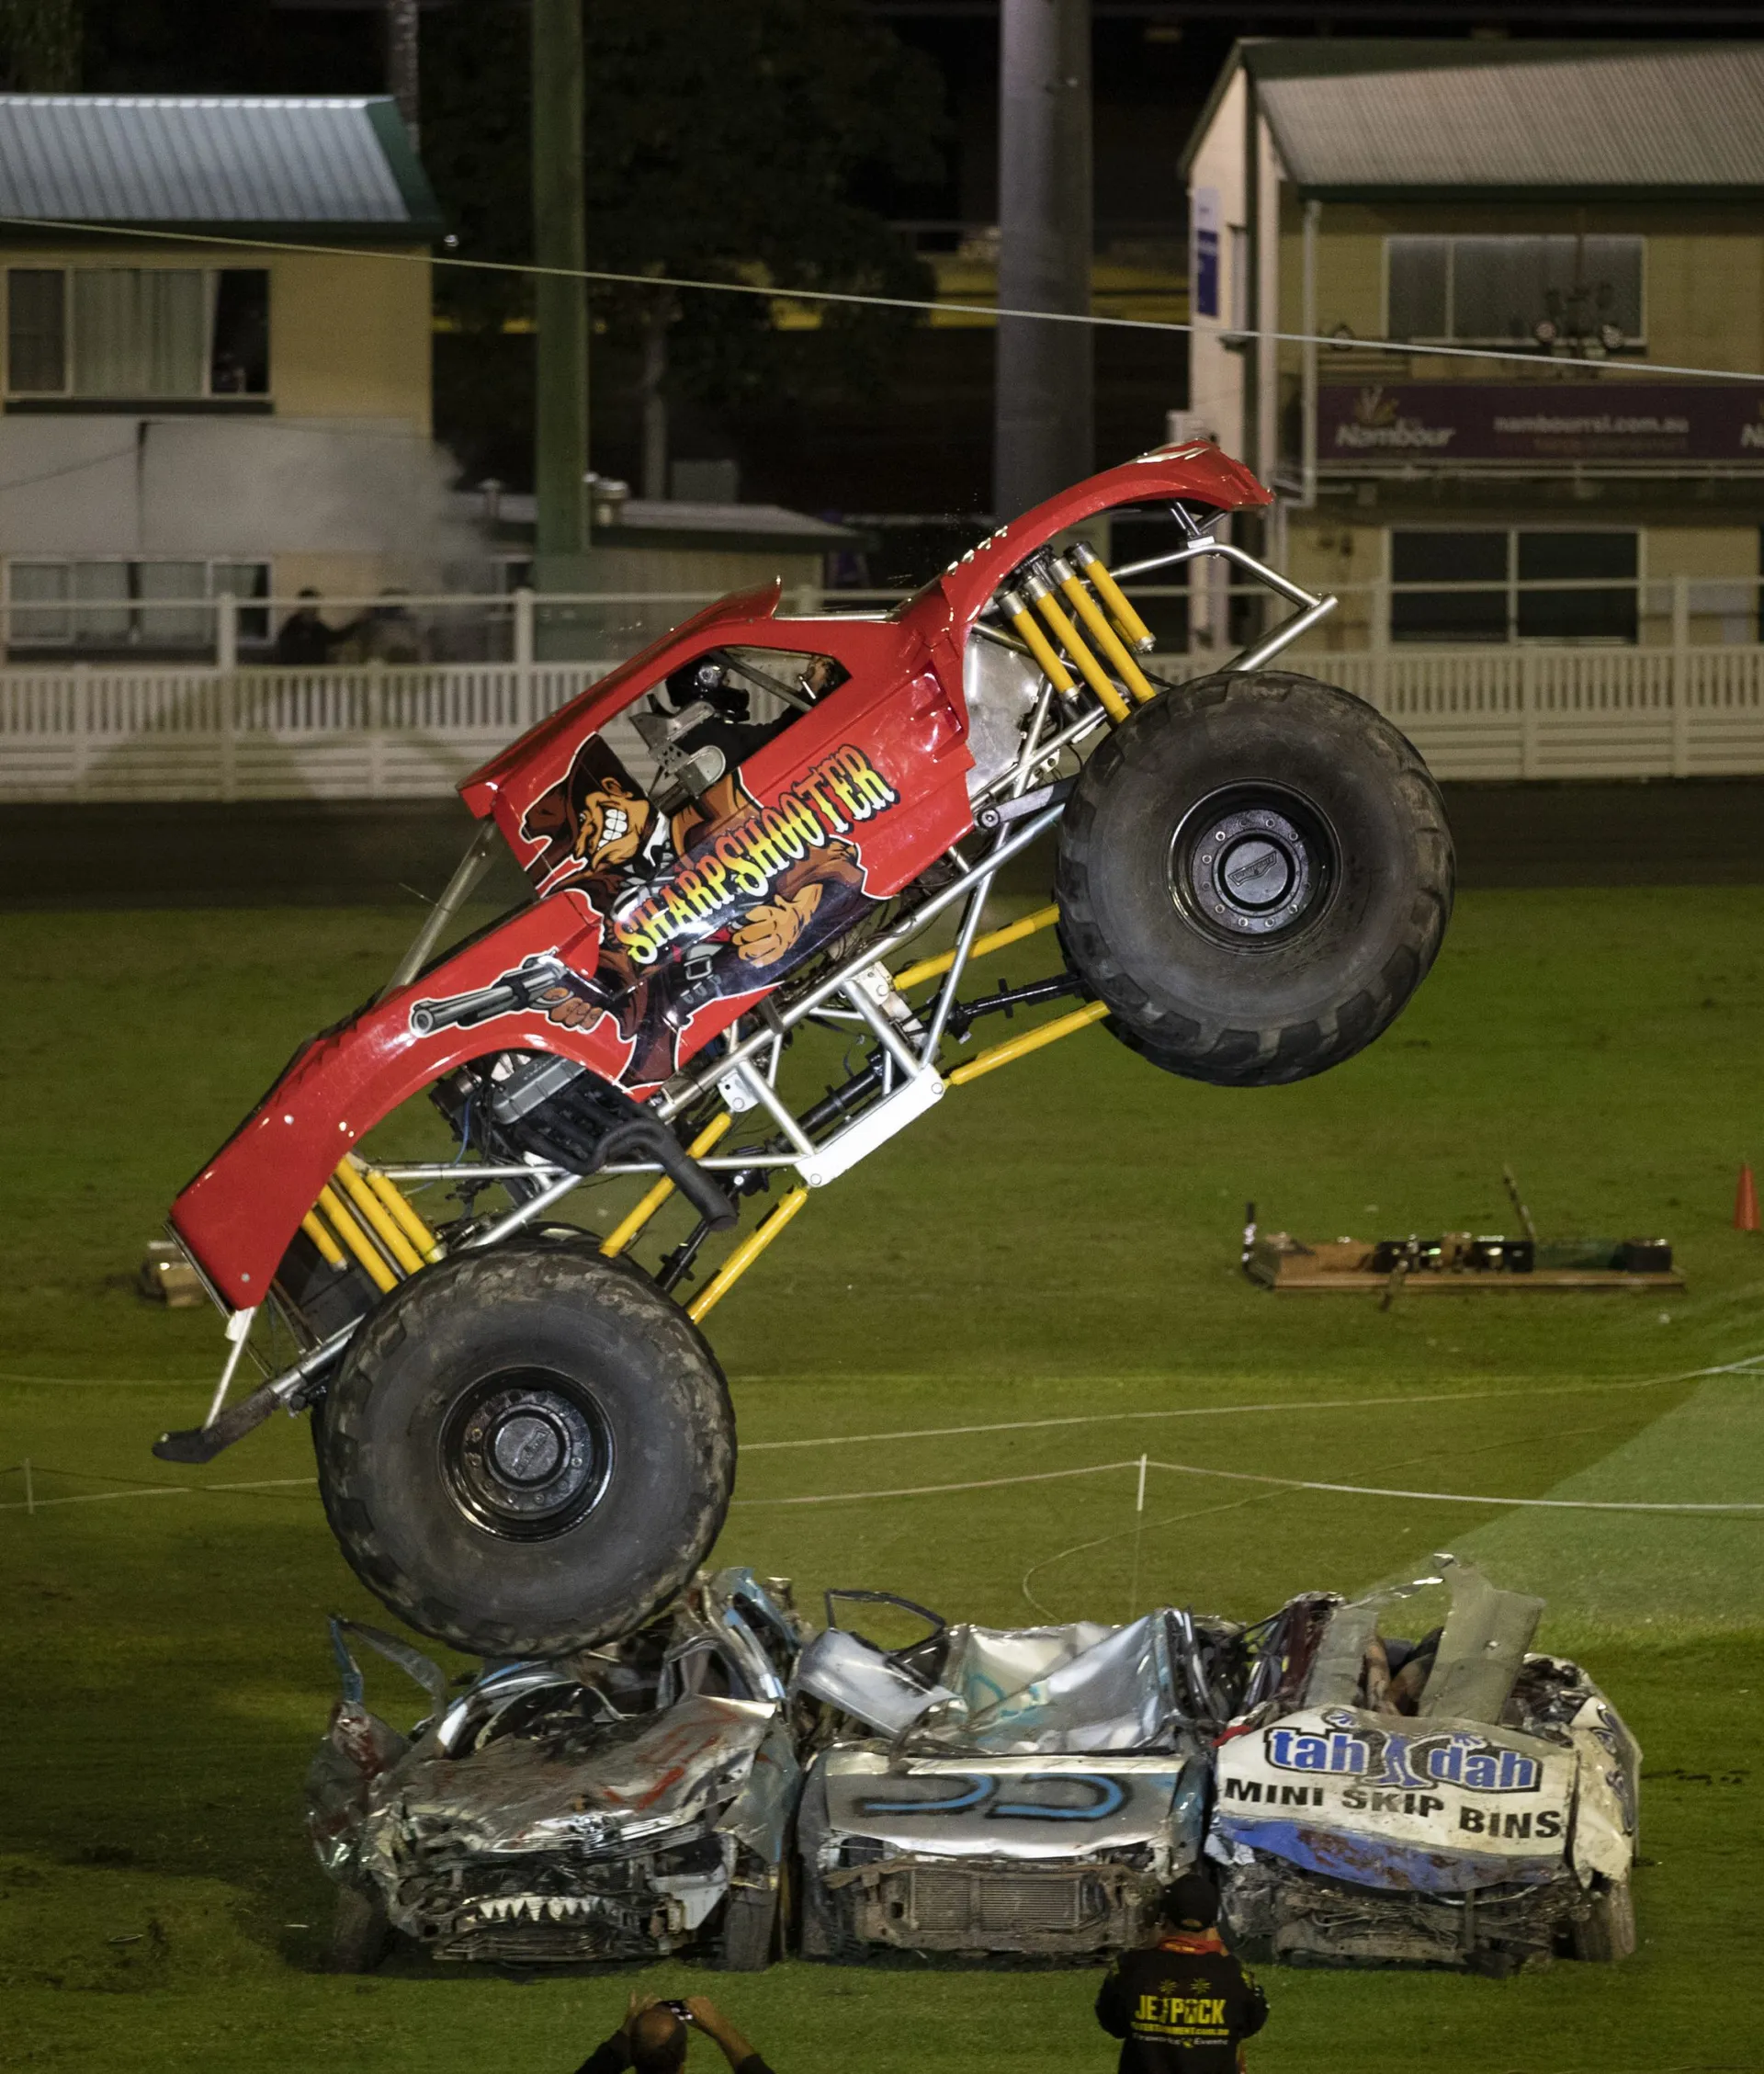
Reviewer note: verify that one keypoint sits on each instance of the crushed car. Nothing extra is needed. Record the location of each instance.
(1457, 1801)
(990, 1790)
(631, 1802)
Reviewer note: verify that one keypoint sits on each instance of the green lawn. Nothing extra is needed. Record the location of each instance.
(1056, 1243)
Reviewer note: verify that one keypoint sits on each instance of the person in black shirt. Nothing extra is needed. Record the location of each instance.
(653, 2039)
(1182, 2005)
(303, 639)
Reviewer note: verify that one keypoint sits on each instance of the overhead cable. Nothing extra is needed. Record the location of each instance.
(848, 298)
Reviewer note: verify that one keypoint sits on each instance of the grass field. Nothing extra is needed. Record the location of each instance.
(1058, 1245)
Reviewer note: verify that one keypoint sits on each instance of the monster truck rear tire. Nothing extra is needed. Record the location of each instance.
(528, 1451)
(1254, 874)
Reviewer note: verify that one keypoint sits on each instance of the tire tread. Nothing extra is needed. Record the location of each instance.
(1229, 1053)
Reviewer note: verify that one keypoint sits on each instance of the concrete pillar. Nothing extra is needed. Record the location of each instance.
(1044, 436)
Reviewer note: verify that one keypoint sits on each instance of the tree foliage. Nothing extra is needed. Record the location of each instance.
(729, 142)
(41, 46)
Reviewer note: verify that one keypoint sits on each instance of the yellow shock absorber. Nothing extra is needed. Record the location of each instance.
(1013, 932)
(744, 1255)
(622, 1233)
(404, 1213)
(1107, 639)
(344, 1224)
(329, 1250)
(404, 1256)
(1072, 642)
(1133, 630)
(1035, 642)
(1033, 1040)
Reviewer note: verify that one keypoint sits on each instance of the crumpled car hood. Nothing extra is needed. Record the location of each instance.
(514, 1796)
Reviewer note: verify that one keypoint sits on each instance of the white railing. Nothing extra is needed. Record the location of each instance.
(1567, 712)
(368, 731)
(384, 729)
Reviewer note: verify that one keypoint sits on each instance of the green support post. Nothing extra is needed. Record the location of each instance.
(561, 305)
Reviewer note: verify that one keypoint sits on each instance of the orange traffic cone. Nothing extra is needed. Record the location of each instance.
(1745, 1200)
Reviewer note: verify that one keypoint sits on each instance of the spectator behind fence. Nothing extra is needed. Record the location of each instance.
(386, 632)
(655, 2036)
(303, 639)
(1182, 2005)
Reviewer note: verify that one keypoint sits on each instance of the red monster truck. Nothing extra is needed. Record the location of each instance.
(525, 1442)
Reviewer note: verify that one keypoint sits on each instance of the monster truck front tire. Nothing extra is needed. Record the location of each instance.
(528, 1451)
(1254, 875)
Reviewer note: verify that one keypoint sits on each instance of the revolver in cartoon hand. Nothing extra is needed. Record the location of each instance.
(506, 996)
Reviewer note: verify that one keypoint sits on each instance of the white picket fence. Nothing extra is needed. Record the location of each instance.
(380, 730)
(364, 731)
(1567, 712)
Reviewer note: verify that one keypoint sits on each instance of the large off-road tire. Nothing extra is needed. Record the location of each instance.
(1254, 874)
(528, 1451)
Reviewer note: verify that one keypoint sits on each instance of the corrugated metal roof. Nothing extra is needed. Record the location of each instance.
(1368, 119)
(192, 159)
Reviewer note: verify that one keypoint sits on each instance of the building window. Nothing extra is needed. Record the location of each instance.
(37, 330)
(137, 333)
(104, 606)
(1482, 291)
(1237, 280)
(1506, 586)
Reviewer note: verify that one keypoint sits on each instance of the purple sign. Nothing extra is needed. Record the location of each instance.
(1448, 422)
(1204, 261)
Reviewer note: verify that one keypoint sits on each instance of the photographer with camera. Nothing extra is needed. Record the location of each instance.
(655, 2036)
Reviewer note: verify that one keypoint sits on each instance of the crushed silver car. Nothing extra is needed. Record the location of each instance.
(624, 1803)
(1023, 1790)
(1457, 1801)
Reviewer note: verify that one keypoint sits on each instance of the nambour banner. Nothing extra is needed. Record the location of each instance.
(1392, 1800)
(1446, 423)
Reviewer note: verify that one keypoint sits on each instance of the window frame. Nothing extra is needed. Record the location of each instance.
(1633, 342)
(254, 611)
(224, 399)
(1513, 587)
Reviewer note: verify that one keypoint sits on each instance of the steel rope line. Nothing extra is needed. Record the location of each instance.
(1233, 1410)
(1052, 1475)
(1278, 1483)
(155, 410)
(935, 1489)
(111, 1382)
(68, 468)
(1468, 1498)
(852, 298)
(1173, 1519)
(148, 1491)
(1256, 1498)
(1745, 1366)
